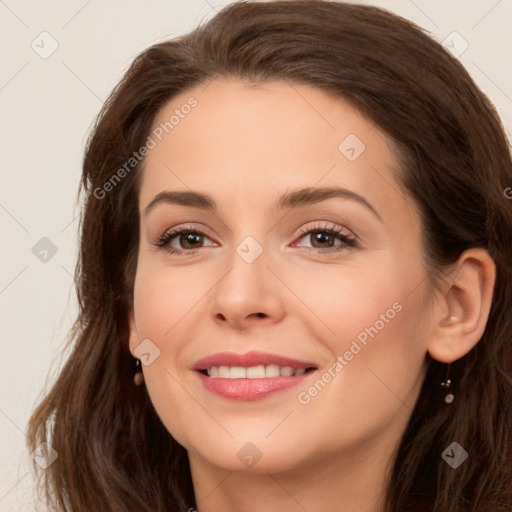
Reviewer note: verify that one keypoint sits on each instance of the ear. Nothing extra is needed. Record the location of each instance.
(462, 310)
(133, 339)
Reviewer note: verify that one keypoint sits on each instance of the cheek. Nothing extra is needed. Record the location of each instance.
(378, 361)
(165, 301)
(374, 323)
(162, 298)
(341, 304)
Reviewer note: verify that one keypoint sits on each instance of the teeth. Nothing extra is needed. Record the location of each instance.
(286, 371)
(272, 370)
(253, 372)
(224, 372)
(237, 372)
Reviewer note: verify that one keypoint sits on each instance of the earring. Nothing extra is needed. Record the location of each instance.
(446, 384)
(138, 377)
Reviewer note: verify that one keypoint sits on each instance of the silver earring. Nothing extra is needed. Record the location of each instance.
(138, 377)
(446, 384)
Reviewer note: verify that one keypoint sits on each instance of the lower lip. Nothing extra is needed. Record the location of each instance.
(250, 389)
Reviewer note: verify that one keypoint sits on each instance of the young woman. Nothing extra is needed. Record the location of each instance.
(295, 279)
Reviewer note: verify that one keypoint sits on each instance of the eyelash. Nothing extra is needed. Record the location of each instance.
(347, 240)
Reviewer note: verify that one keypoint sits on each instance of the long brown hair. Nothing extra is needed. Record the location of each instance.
(114, 453)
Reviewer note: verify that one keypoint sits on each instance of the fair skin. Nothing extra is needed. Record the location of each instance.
(245, 145)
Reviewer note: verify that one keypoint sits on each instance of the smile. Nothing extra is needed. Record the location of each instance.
(250, 376)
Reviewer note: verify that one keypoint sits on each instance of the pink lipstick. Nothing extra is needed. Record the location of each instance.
(250, 376)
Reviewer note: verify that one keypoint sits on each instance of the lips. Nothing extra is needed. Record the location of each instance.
(240, 376)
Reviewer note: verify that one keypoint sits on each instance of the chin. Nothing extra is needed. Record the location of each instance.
(257, 456)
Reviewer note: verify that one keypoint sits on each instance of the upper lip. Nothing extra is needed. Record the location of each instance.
(249, 359)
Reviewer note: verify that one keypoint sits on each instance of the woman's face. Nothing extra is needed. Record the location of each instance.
(331, 281)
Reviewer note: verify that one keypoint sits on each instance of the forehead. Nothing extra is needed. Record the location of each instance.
(252, 142)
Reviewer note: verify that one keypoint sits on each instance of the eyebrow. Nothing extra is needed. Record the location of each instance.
(289, 200)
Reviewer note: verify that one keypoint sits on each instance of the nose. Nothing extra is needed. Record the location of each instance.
(248, 294)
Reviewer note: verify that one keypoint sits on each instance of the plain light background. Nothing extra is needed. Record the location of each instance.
(48, 103)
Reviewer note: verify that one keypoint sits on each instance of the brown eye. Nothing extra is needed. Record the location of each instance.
(324, 238)
(189, 238)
